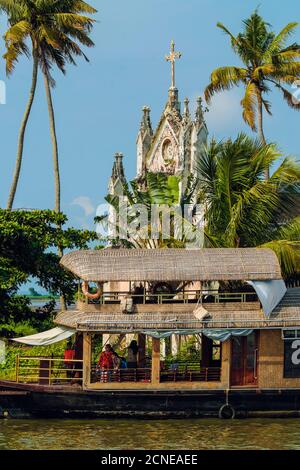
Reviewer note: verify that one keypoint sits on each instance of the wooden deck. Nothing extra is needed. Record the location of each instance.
(7, 386)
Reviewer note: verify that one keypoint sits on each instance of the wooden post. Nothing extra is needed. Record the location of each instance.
(87, 351)
(17, 367)
(50, 370)
(206, 351)
(226, 363)
(155, 373)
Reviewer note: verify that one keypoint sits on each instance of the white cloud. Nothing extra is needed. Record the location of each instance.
(85, 203)
(225, 112)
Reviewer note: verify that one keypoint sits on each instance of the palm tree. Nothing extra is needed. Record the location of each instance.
(157, 218)
(268, 61)
(155, 214)
(54, 28)
(242, 209)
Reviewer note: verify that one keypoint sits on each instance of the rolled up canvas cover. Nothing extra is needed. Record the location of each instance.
(217, 334)
(225, 334)
(46, 337)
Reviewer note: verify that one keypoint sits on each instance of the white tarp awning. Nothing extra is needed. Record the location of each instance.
(270, 293)
(222, 334)
(46, 337)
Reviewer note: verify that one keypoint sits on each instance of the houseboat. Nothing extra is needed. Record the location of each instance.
(231, 305)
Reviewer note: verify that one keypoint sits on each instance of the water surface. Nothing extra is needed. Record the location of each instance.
(196, 434)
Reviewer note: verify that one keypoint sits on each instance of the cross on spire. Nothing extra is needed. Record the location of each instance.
(172, 58)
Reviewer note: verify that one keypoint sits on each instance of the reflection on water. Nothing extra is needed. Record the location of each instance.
(195, 434)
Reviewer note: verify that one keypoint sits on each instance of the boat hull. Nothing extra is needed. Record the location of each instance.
(28, 401)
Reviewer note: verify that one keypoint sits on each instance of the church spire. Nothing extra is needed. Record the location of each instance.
(118, 169)
(146, 121)
(144, 140)
(186, 117)
(199, 111)
(186, 111)
(173, 91)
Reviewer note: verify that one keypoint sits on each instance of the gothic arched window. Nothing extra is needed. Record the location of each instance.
(168, 152)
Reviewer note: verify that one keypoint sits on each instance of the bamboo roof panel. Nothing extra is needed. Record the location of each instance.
(207, 264)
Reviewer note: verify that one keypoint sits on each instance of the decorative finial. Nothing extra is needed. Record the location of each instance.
(186, 111)
(172, 58)
(118, 169)
(146, 121)
(146, 110)
(199, 110)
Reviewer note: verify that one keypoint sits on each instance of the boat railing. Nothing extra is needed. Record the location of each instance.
(191, 374)
(48, 370)
(172, 373)
(186, 296)
(121, 375)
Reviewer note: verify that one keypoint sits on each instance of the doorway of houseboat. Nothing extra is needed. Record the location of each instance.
(244, 360)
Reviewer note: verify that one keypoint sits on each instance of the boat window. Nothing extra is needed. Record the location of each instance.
(290, 334)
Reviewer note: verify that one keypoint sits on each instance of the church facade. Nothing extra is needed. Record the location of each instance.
(174, 147)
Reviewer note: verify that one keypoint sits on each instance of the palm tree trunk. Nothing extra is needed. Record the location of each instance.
(18, 164)
(55, 163)
(260, 126)
(54, 142)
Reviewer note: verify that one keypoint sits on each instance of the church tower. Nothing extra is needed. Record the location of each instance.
(174, 147)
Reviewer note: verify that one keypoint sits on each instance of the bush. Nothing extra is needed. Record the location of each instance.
(7, 368)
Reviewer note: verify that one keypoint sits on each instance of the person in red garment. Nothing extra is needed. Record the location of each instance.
(69, 355)
(106, 363)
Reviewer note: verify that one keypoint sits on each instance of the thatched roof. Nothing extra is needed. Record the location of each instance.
(211, 264)
(221, 315)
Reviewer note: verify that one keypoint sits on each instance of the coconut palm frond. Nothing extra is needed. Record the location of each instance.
(224, 78)
(279, 41)
(287, 174)
(290, 231)
(79, 6)
(249, 104)
(289, 97)
(71, 20)
(289, 54)
(234, 40)
(288, 254)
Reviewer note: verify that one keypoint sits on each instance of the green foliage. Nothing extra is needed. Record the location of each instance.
(33, 292)
(189, 352)
(7, 368)
(97, 345)
(244, 210)
(165, 193)
(27, 241)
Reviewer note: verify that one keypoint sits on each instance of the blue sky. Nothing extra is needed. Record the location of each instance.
(98, 105)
